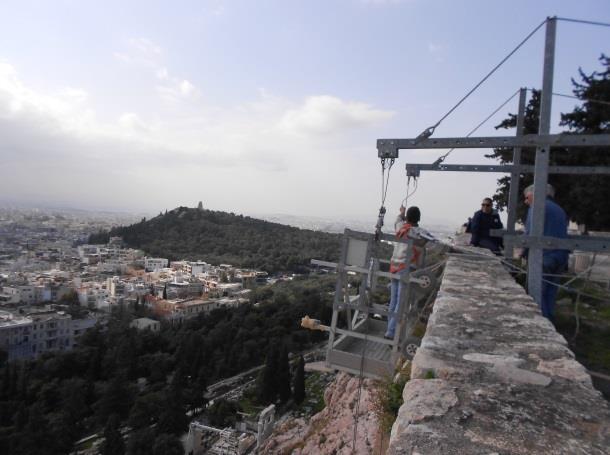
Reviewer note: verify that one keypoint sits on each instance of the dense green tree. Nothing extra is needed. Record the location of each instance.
(578, 195)
(268, 380)
(283, 376)
(117, 398)
(113, 440)
(299, 381)
(145, 411)
(173, 418)
(140, 442)
(167, 444)
(222, 413)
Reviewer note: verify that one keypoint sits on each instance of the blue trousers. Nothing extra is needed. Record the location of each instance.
(394, 307)
(552, 266)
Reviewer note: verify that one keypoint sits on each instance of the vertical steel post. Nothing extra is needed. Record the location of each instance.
(541, 167)
(513, 194)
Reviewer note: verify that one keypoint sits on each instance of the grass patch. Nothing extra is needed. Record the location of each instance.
(387, 399)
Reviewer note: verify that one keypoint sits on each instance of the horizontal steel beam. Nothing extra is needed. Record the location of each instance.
(388, 148)
(576, 243)
(413, 170)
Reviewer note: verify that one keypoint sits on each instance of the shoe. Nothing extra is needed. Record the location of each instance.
(388, 337)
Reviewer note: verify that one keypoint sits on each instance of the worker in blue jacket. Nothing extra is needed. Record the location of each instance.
(554, 262)
(483, 220)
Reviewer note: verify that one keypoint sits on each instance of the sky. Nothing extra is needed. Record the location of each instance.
(266, 106)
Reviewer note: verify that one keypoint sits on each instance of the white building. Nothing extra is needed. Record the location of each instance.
(195, 268)
(9, 296)
(80, 326)
(51, 331)
(15, 336)
(27, 337)
(146, 324)
(155, 264)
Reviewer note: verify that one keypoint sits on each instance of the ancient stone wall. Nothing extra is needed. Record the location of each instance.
(492, 376)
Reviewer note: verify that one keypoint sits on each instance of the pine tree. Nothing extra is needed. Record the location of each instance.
(167, 444)
(268, 384)
(113, 440)
(283, 376)
(299, 381)
(579, 195)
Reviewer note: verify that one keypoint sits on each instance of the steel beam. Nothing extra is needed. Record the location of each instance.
(413, 170)
(571, 243)
(513, 192)
(541, 167)
(388, 148)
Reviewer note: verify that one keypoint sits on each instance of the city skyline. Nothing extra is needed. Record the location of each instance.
(266, 107)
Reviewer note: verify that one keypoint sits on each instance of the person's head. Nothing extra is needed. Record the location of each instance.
(528, 193)
(486, 205)
(413, 215)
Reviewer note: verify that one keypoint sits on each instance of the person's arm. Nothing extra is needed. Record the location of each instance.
(475, 236)
(526, 230)
(497, 224)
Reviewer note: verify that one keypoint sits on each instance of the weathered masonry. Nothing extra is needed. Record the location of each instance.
(493, 376)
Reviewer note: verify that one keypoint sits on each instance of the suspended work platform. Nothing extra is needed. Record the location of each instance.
(356, 342)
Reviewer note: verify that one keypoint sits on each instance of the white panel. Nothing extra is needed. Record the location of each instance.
(356, 252)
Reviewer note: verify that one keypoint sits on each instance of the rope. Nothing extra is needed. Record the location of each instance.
(577, 328)
(428, 132)
(385, 181)
(406, 199)
(588, 100)
(579, 21)
(360, 382)
(366, 335)
(442, 157)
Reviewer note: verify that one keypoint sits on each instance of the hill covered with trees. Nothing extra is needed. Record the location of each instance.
(220, 237)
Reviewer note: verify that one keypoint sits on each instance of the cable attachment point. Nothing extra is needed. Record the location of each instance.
(425, 134)
(379, 224)
(439, 161)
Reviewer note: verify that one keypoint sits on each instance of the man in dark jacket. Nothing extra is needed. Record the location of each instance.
(482, 221)
(555, 261)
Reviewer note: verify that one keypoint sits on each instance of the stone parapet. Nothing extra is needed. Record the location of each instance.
(492, 376)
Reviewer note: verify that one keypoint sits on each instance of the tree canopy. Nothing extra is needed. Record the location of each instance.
(119, 377)
(220, 237)
(580, 195)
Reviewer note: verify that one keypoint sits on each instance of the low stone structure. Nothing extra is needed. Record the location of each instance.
(492, 376)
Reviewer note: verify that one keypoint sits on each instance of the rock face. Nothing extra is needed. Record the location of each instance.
(504, 381)
(331, 431)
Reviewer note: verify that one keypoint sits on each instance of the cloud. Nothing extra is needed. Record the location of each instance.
(162, 74)
(145, 46)
(145, 53)
(54, 146)
(186, 88)
(174, 90)
(434, 48)
(132, 121)
(122, 57)
(328, 114)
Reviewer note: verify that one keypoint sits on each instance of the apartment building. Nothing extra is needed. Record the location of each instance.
(155, 264)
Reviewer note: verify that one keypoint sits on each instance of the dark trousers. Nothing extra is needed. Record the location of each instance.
(550, 266)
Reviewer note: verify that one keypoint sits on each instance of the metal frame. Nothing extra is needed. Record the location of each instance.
(375, 355)
(543, 141)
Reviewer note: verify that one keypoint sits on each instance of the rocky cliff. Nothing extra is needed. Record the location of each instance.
(331, 431)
